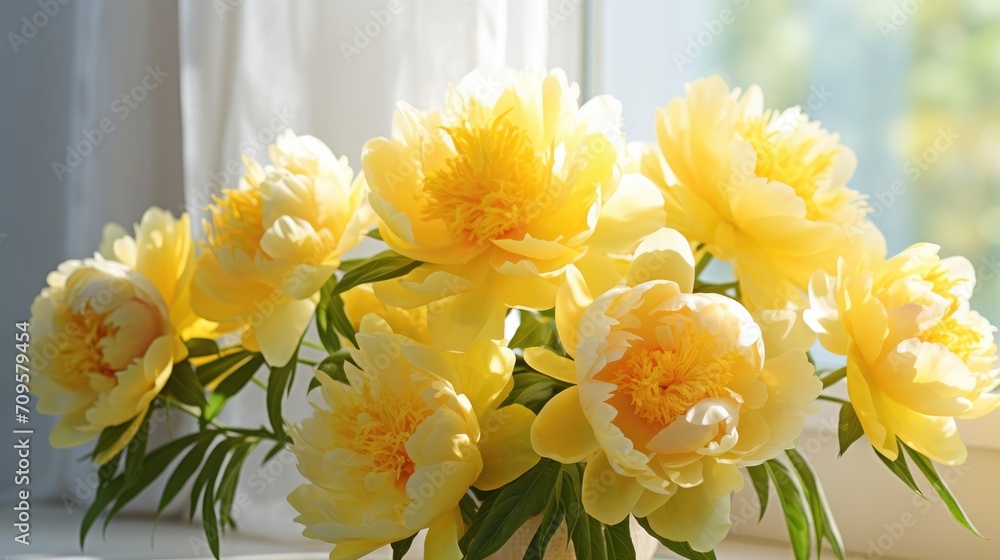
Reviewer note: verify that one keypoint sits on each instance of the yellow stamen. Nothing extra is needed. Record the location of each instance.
(493, 187)
(801, 161)
(237, 220)
(82, 355)
(663, 384)
(379, 429)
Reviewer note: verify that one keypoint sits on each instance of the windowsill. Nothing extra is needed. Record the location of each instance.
(54, 536)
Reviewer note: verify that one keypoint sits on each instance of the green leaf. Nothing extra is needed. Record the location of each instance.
(151, 467)
(551, 520)
(325, 318)
(533, 390)
(135, 452)
(208, 519)
(238, 379)
(209, 372)
(470, 533)
(901, 470)
(598, 548)
(850, 429)
(383, 266)
(333, 366)
(185, 469)
(229, 482)
(277, 382)
(534, 330)
(571, 499)
(198, 347)
(825, 524)
(277, 448)
(105, 494)
(468, 507)
(618, 541)
(681, 548)
(515, 503)
(183, 385)
(941, 487)
(761, 485)
(108, 437)
(399, 548)
(374, 234)
(210, 471)
(793, 503)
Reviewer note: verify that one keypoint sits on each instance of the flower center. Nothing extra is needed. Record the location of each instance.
(958, 336)
(663, 384)
(238, 220)
(799, 160)
(82, 355)
(494, 185)
(383, 426)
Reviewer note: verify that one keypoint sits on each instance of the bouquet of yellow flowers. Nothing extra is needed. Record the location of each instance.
(538, 344)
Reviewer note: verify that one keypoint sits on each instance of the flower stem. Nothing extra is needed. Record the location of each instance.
(832, 399)
(312, 344)
(834, 376)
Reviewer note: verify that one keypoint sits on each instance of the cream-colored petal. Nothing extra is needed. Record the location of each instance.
(561, 431)
(280, 331)
(608, 496)
(663, 255)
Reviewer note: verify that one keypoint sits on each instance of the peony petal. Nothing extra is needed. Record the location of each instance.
(608, 496)
(663, 255)
(280, 331)
(548, 362)
(561, 431)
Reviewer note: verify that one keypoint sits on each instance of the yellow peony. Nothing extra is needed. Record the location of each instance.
(394, 450)
(498, 193)
(275, 240)
(671, 394)
(917, 356)
(106, 332)
(765, 190)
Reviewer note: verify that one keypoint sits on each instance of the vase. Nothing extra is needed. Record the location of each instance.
(561, 549)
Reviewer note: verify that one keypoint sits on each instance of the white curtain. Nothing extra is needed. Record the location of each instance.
(206, 82)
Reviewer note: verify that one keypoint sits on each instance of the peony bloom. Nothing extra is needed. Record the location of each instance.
(765, 190)
(105, 348)
(275, 240)
(498, 194)
(917, 356)
(672, 393)
(106, 332)
(395, 449)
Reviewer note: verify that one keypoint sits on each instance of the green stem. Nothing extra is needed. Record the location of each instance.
(259, 383)
(702, 263)
(832, 399)
(834, 376)
(308, 362)
(311, 344)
